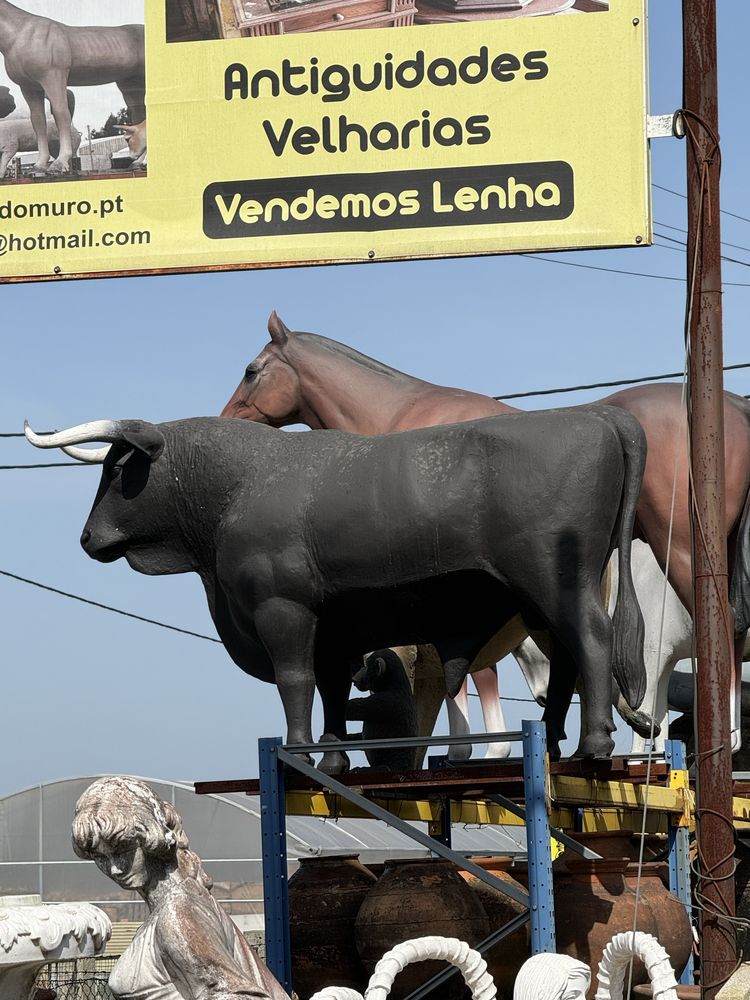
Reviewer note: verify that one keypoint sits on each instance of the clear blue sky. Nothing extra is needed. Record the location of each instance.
(87, 691)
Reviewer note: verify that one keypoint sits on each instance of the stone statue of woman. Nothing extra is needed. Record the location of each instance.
(187, 948)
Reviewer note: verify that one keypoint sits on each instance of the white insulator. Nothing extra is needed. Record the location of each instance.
(337, 993)
(469, 962)
(616, 958)
(549, 976)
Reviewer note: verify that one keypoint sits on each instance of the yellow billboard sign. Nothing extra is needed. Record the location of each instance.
(249, 133)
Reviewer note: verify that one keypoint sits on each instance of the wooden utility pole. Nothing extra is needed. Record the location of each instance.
(713, 620)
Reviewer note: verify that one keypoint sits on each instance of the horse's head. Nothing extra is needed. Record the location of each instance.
(269, 392)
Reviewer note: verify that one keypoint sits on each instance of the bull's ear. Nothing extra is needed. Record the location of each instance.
(146, 438)
(278, 330)
(380, 667)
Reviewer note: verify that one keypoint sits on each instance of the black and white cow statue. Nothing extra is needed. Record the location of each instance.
(316, 547)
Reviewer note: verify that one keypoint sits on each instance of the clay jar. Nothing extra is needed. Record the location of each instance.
(595, 900)
(507, 956)
(325, 895)
(412, 899)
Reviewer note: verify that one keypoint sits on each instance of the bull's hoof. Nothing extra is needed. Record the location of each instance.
(595, 747)
(334, 762)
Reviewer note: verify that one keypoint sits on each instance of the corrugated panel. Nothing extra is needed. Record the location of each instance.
(123, 933)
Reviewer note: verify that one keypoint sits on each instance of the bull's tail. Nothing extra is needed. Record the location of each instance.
(739, 585)
(628, 664)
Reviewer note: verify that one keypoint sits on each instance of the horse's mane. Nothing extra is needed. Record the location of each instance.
(342, 350)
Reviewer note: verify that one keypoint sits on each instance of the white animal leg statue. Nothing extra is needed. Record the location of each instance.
(486, 683)
(459, 724)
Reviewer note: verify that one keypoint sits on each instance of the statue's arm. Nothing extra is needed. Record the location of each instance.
(194, 953)
(363, 709)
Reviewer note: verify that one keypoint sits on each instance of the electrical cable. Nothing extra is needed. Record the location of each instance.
(616, 270)
(106, 607)
(44, 465)
(679, 194)
(724, 243)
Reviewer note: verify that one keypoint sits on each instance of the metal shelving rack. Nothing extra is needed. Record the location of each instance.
(278, 763)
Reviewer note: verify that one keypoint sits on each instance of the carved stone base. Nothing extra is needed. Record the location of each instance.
(32, 934)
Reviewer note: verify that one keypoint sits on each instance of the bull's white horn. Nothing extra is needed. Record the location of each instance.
(92, 455)
(94, 430)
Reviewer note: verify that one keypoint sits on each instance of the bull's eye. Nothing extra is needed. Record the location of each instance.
(115, 472)
(250, 373)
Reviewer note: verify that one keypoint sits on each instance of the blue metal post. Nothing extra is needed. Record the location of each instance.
(539, 847)
(679, 860)
(273, 840)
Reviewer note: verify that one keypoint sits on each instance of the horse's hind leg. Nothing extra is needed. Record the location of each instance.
(35, 100)
(133, 92)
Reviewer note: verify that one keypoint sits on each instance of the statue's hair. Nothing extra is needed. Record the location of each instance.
(124, 812)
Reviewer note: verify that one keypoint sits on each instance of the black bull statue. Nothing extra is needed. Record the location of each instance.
(316, 547)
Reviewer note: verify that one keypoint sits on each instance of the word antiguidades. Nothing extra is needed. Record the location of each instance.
(335, 82)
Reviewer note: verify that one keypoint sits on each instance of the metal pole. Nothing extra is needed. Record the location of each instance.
(713, 620)
(679, 843)
(273, 838)
(538, 846)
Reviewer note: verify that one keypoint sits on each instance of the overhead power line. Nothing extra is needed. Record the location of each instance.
(617, 270)
(41, 465)
(679, 194)
(609, 385)
(677, 229)
(511, 395)
(106, 607)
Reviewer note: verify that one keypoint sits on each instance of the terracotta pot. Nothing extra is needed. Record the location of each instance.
(325, 895)
(595, 900)
(412, 899)
(505, 958)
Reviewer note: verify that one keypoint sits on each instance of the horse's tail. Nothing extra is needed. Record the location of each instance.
(739, 585)
(628, 664)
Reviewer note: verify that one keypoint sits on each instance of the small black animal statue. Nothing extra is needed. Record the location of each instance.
(316, 547)
(389, 713)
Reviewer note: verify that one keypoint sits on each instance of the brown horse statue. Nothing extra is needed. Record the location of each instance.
(310, 379)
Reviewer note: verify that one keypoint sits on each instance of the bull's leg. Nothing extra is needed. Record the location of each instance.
(592, 643)
(458, 723)
(485, 681)
(288, 632)
(429, 694)
(35, 100)
(562, 683)
(334, 687)
(56, 87)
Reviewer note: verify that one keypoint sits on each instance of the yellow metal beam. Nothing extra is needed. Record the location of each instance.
(592, 793)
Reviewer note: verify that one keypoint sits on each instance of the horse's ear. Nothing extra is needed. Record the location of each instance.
(278, 330)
